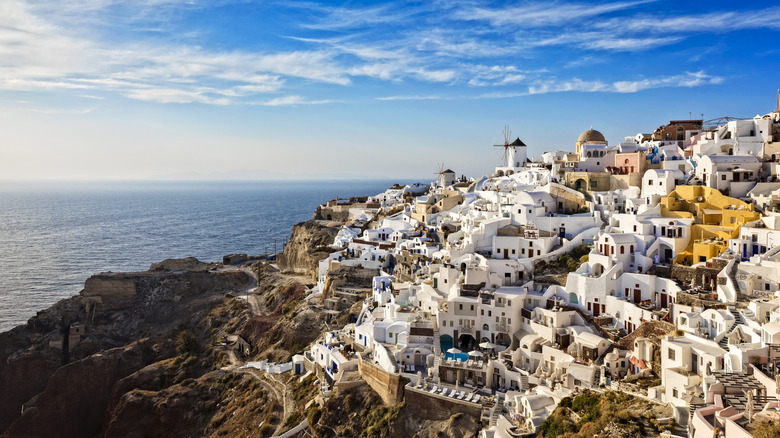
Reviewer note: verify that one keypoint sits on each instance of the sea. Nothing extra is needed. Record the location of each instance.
(53, 236)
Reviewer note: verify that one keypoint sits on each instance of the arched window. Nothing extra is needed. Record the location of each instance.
(632, 248)
(485, 327)
(622, 249)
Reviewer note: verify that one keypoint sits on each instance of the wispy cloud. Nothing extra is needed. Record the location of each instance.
(542, 14)
(689, 79)
(292, 100)
(414, 97)
(503, 50)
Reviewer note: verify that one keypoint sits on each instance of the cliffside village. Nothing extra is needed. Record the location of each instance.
(673, 294)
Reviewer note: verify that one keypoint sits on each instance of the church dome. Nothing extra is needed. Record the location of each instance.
(591, 136)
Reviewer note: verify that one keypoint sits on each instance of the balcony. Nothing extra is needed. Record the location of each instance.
(502, 328)
(466, 329)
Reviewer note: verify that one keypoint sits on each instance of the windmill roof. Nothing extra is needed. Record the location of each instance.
(449, 171)
(517, 142)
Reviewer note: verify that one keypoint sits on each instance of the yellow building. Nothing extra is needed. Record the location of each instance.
(717, 219)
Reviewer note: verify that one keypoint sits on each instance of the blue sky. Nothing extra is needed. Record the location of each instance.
(169, 89)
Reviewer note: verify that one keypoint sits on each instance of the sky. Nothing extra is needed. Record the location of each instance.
(166, 89)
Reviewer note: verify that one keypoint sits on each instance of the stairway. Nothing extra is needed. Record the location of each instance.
(733, 276)
(738, 319)
(496, 410)
(596, 377)
(600, 360)
(436, 350)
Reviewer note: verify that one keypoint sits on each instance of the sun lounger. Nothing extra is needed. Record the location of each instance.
(462, 394)
(435, 387)
(452, 393)
(443, 391)
(468, 397)
(476, 398)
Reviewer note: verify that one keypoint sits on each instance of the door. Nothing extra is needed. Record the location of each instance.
(506, 253)
(596, 310)
(664, 301)
(637, 296)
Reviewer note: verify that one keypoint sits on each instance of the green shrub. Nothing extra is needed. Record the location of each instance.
(187, 343)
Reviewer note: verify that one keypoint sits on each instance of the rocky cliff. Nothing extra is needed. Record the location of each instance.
(57, 371)
(307, 246)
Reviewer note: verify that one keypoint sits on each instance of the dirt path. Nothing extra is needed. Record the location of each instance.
(279, 390)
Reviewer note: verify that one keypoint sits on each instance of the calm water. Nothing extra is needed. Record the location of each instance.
(54, 236)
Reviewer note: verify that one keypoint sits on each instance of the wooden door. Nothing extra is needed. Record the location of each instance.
(637, 296)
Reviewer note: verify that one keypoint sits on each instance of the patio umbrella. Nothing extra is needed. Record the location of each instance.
(487, 345)
(475, 353)
(454, 350)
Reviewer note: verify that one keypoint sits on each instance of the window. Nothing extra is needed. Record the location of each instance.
(674, 392)
(472, 307)
(650, 182)
(460, 306)
(622, 249)
(723, 177)
(513, 251)
(670, 354)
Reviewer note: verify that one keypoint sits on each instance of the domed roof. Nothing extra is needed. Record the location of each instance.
(591, 136)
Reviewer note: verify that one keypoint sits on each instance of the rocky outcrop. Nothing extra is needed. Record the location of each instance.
(308, 245)
(185, 264)
(64, 381)
(75, 399)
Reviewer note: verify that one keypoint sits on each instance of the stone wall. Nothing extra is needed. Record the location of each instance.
(435, 407)
(390, 387)
(110, 287)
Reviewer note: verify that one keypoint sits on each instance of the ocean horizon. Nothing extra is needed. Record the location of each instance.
(56, 234)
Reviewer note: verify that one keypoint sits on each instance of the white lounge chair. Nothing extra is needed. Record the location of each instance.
(443, 391)
(468, 397)
(462, 394)
(476, 398)
(434, 389)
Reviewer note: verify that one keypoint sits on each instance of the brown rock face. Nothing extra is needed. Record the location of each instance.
(308, 245)
(21, 379)
(75, 399)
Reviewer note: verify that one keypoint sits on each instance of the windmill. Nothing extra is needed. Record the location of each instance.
(507, 134)
(440, 171)
(510, 157)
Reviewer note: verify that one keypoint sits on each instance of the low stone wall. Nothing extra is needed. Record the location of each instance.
(437, 407)
(390, 387)
(110, 288)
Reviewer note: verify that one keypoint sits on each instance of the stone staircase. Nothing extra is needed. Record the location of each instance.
(733, 276)
(596, 377)
(600, 360)
(524, 382)
(738, 319)
(496, 410)
(436, 349)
